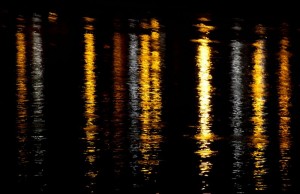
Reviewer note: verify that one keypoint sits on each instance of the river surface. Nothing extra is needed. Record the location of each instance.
(150, 104)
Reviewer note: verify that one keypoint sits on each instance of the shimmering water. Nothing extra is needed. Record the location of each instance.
(149, 103)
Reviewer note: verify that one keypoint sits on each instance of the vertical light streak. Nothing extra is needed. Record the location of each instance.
(204, 135)
(22, 100)
(155, 78)
(134, 100)
(237, 110)
(38, 106)
(259, 138)
(150, 96)
(90, 128)
(284, 93)
(119, 99)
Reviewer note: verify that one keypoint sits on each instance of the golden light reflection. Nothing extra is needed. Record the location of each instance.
(90, 128)
(204, 135)
(259, 139)
(150, 96)
(22, 99)
(284, 93)
(119, 96)
(156, 75)
(52, 17)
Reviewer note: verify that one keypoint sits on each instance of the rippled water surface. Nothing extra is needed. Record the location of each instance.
(149, 103)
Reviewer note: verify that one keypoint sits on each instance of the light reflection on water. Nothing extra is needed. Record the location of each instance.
(37, 79)
(119, 110)
(133, 99)
(150, 99)
(284, 100)
(31, 134)
(22, 101)
(90, 128)
(237, 92)
(204, 136)
(259, 137)
(125, 86)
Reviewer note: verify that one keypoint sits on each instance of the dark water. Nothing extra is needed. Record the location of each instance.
(149, 103)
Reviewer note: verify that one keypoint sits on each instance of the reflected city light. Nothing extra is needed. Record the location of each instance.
(52, 17)
(237, 80)
(259, 138)
(150, 97)
(197, 103)
(119, 99)
(22, 100)
(204, 135)
(134, 101)
(90, 128)
(284, 93)
(31, 129)
(38, 106)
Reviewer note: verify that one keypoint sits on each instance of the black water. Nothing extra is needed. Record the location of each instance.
(146, 102)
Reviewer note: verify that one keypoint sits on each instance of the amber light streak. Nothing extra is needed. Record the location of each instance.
(119, 95)
(156, 75)
(90, 103)
(150, 94)
(204, 134)
(22, 99)
(259, 139)
(52, 17)
(284, 93)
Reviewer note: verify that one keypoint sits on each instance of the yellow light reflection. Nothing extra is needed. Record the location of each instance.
(259, 139)
(284, 93)
(156, 75)
(22, 99)
(90, 103)
(204, 134)
(150, 95)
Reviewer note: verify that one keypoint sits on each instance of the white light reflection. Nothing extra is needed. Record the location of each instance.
(37, 78)
(134, 100)
(237, 112)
